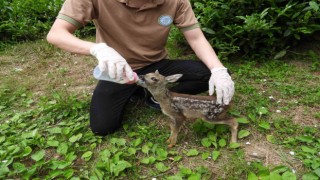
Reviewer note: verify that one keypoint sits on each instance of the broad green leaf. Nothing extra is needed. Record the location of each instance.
(262, 111)
(66, 130)
(149, 160)
(121, 142)
(317, 171)
(71, 157)
(118, 141)
(175, 177)
(4, 170)
(196, 176)
(209, 31)
(116, 157)
(87, 155)
(75, 138)
(185, 171)
(62, 149)
(205, 155)
(19, 167)
(287, 33)
(243, 120)
(264, 174)
(307, 139)
(264, 125)
(172, 152)
(68, 173)
(234, 145)
(105, 155)
(145, 161)
(120, 166)
(161, 154)
(280, 169)
(206, 142)
(132, 151)
(55, 173)
(215, 155)
(275, 176)
(314, 5)
(145, 149)
(192, 152)
(222, 142)
(271, 139)
(55, 130)
(93, 145)
(161, 167)
(99, 174)
(53, 143)
(308, 149)
(310, 176)
(137, 142)
(289, 176)
(2, 139)
(252, 176)
(315, 164)
(27, 151)
(31, 134)
(252, 117)
(38, 155)
(177, 158)
(280, 54)
(152, 159)
(59, 164)
(243, 133)
(212, 136)
(13, 149)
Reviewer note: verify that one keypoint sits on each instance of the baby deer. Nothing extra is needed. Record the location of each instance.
(180, 107)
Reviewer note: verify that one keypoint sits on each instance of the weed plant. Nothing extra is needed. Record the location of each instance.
(257, 28)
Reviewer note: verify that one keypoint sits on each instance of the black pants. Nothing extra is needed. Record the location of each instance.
(109, 99)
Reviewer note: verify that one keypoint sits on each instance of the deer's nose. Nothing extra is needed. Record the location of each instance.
(141, 77)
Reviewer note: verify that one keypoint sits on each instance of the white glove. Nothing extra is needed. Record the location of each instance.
(112, 62)
(221, 80)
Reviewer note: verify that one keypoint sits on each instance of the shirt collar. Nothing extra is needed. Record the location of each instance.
(142, 6)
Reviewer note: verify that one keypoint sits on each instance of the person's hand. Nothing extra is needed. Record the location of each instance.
(112, 62)
(222, 82)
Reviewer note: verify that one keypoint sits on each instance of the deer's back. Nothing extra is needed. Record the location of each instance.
(195, 106)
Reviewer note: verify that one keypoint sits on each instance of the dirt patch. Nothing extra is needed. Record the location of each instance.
(258, 149)
(304, 116)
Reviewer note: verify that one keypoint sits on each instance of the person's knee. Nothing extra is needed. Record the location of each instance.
(103, 130)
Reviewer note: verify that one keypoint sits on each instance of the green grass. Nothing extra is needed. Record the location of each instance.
(44, 123)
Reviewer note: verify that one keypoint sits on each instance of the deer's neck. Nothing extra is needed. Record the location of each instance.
(161, 95)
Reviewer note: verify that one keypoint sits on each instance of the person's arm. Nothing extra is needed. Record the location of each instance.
(220, 81)
(202, 48)
(61, 35)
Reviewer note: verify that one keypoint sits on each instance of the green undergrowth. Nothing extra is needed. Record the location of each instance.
(46, 135)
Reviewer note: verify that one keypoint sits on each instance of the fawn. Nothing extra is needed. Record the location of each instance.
(180, 107)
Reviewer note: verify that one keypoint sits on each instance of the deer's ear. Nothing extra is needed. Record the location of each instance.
(157, 72)
(173, 78)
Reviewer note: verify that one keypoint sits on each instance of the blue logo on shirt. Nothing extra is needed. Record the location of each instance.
(165, 20)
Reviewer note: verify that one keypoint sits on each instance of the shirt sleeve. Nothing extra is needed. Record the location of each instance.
(77, 12)
(185, 18)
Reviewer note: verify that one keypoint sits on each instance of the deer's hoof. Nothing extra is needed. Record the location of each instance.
(170, 145)
(168, 140)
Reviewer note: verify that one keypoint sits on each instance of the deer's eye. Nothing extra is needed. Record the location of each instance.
(154, 79)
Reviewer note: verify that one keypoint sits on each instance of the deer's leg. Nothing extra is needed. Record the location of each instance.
(234, 129)
(171, 131)
(175, 128)
(232, 122)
